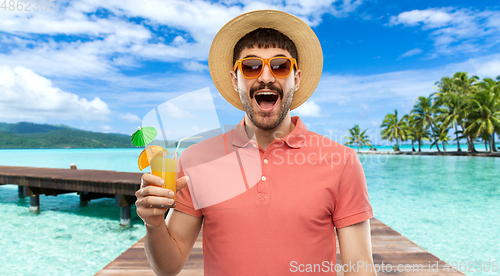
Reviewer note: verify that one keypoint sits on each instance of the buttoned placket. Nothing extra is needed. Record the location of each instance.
(293, 142)
(263, 184)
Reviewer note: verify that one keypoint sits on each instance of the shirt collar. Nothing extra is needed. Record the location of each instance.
(294, 139)
(297, 137)
(240, 137)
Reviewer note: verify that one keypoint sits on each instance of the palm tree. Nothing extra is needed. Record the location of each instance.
(410, 134)
(466, 88)
(424, 112)
(452, 106)
(497, 92)
(445, 85)
(494, 88)
(486, 139)
(453, 113)
(441, 131)
(484, 112)
(418, 131)
(357, 138)
(444, 138)
(394, 128)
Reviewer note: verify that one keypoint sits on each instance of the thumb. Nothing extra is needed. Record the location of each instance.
(182, 182)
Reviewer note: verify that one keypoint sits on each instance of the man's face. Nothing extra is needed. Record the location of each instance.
(266, 99)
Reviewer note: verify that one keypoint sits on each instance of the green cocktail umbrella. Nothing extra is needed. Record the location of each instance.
(143, 136)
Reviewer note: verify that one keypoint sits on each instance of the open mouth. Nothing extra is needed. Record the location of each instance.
(266, 100)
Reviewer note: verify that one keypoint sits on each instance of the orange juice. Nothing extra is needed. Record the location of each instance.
(166, 168)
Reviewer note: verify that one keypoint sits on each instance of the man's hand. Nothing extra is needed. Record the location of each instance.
(150, 195)
(167, 249)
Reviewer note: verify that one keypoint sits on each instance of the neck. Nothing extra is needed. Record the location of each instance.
(266, 137)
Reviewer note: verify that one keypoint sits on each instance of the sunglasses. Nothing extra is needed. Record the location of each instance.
(252, 67)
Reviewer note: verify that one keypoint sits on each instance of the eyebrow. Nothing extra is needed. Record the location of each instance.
(278, 55)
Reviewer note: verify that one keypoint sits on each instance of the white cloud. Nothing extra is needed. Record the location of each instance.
(486, 67)
(194, 66)
(411, 53)
(70, 20)
(61, 60)
(25, 95)
(131, 118)
(102, 38)
(177, 112)
(308, 109)
(430, 18)
(105, 128)
(455, 30)
(184, 115)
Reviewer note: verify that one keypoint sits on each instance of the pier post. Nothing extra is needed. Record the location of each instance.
(125, 215)
(35, 203)
(21, 190)
(125, 202)
(84, 198)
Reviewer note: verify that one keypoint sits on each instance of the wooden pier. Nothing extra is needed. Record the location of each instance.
(89, 184)
(390, 250)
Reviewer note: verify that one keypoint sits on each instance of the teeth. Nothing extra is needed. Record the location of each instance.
(266, 93)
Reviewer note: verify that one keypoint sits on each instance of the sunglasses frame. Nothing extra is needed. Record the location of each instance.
(265, 61)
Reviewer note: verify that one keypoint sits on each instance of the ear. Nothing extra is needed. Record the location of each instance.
(297, 79)
(234, 80)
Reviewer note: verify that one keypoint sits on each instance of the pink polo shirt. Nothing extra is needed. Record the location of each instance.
(269, 218)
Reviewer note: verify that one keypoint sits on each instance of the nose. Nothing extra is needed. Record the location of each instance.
(266, 76)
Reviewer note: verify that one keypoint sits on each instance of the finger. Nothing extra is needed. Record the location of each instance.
(154, 201)
(155, 191)
(182, 182)
(149, 179)
(144, 213)
(162, 206)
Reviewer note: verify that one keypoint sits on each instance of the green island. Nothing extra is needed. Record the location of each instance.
(24, 135)
(464, 105)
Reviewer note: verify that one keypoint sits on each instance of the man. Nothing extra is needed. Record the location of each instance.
(266, 63)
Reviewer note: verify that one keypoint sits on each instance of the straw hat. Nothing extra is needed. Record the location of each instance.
(220, 59)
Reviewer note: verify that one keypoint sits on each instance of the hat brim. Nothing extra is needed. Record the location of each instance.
(310, 55)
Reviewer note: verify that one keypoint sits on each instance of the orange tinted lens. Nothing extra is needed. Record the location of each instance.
(251, 67)
(281, 66)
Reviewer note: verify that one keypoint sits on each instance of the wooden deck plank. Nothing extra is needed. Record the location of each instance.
(95, 181)
(389, 247)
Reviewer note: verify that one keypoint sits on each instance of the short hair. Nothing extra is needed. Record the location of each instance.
(265, 38)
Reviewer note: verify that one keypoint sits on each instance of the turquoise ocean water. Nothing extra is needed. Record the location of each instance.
(446, 204)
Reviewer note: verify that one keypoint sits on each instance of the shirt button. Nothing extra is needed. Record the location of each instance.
(263, 178)
(254, 145)
(265, 161)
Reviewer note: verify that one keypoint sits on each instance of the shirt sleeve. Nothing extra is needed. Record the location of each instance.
(184, 202)
(352, 204)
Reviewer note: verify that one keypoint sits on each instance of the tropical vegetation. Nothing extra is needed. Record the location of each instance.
(395, 129)
(358, 138)
(31, 135)
(464, 105)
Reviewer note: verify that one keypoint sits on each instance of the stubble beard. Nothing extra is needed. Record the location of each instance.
(286, 102)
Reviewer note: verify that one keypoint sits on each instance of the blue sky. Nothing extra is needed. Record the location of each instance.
(103, 65)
